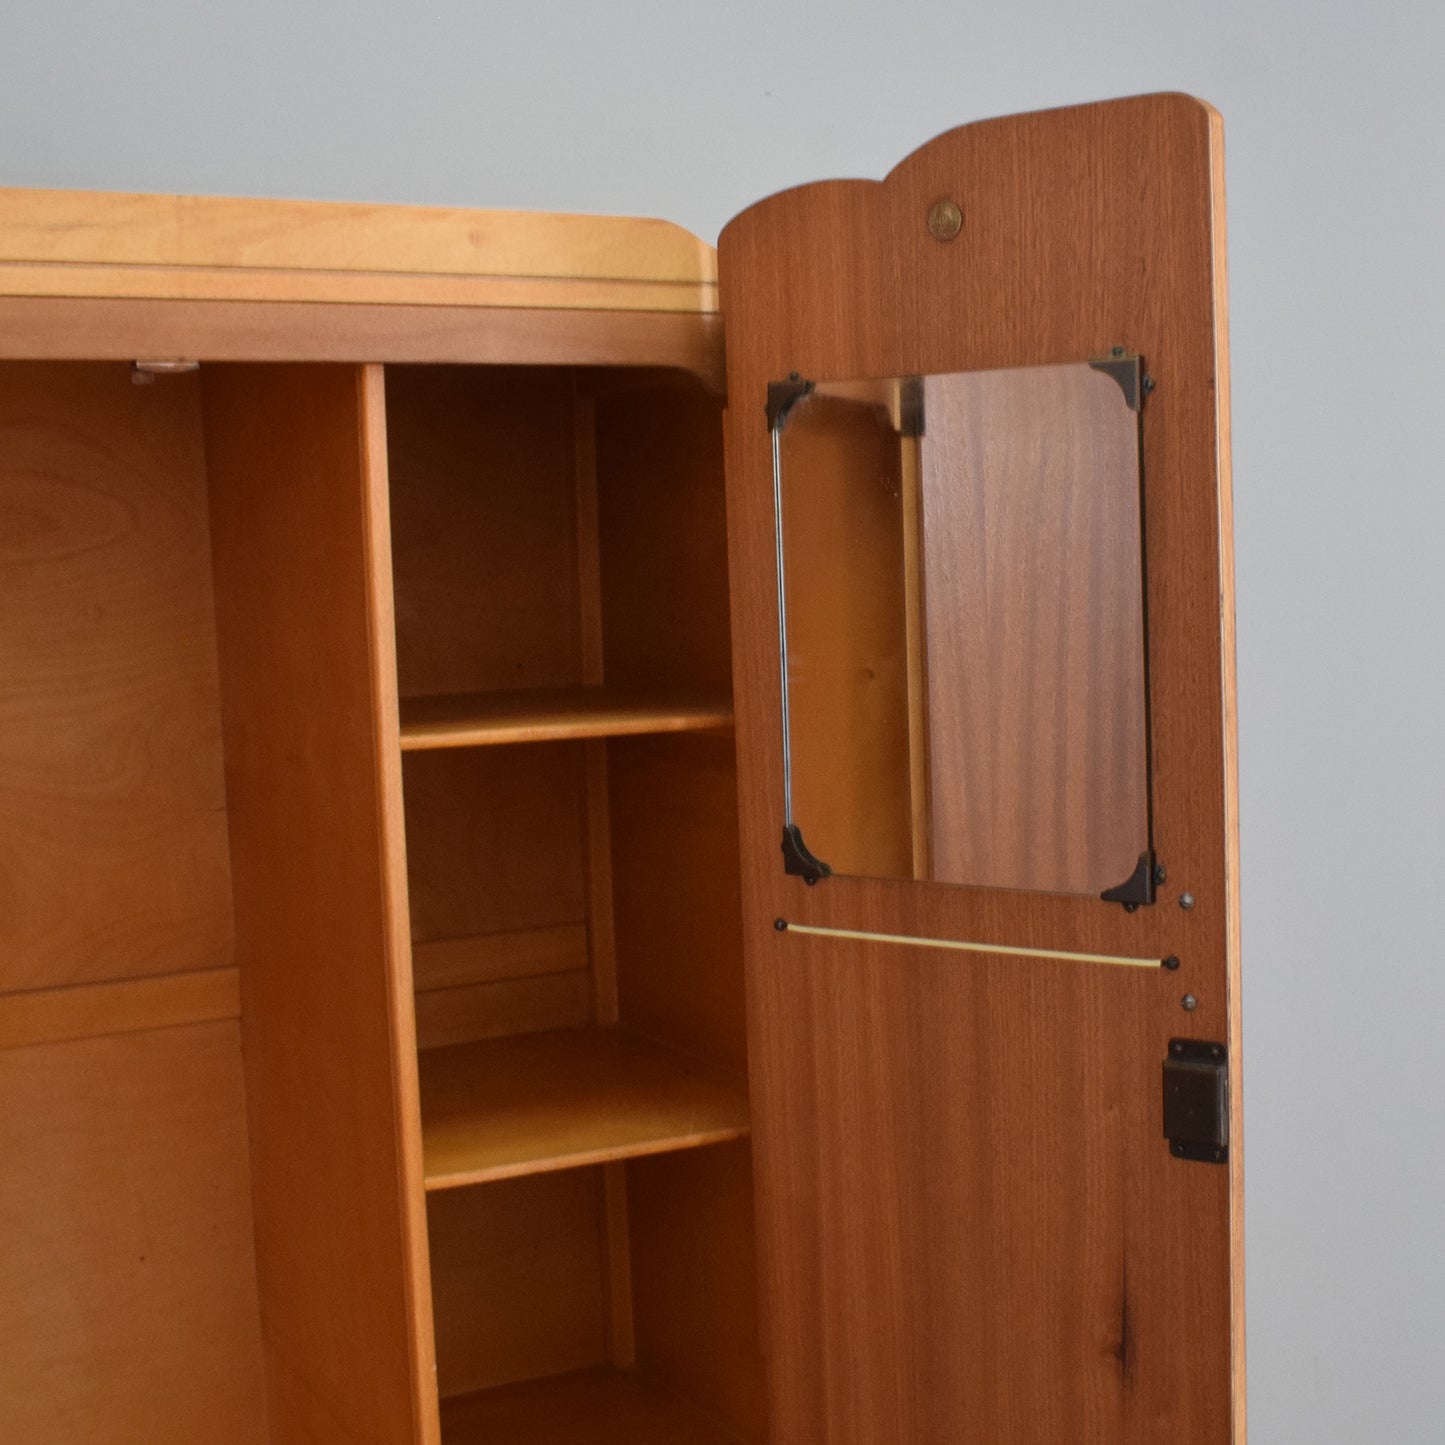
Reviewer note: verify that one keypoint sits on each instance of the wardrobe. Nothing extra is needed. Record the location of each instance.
(611, 842)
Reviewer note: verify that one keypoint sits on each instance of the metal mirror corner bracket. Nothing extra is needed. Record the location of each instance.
(798, 862)
(961, 627)
(1127, 371)
(781, 396)
(1138, 887)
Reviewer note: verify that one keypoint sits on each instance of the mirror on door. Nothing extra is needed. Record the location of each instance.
(961, 619)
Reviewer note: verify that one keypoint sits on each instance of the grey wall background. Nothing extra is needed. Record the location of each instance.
(1334, 123)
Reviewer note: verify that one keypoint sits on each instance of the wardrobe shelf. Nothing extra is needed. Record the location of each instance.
(481, 719)
(588, 1407)
(532, 1103)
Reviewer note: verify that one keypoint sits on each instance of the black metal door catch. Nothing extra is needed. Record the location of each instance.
(1196, 1100)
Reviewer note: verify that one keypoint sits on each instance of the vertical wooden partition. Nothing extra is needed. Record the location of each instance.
(972, 1228)
(303, 596)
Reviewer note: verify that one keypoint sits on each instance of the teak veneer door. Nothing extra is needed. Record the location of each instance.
(973, 1228)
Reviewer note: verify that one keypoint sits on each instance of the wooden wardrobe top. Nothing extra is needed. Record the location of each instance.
(97, 244)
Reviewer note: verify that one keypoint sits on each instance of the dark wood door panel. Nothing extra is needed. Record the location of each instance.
(975, 1232)
(971, 1225)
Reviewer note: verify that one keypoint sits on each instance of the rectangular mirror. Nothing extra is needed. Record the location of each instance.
(961, 616)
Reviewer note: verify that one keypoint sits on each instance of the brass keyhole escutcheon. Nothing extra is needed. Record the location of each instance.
(945, 220)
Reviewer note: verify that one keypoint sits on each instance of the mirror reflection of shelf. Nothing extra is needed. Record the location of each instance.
(482, 719)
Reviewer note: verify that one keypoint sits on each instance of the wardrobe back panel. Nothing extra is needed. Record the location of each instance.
(517, 1276)
(129, 1291)
(662, 534)
(494, 839)
(127, 1281)
(677, 901)
(113, 850)
(695, 1297)
(484, 525)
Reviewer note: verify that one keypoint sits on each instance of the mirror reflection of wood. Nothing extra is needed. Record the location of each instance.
(848, 676)
(966, 650)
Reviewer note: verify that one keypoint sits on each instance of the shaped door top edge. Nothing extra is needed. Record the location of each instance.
(1050, 231)
(1151, 107)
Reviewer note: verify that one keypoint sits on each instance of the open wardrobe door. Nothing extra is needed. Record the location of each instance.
(979, 523)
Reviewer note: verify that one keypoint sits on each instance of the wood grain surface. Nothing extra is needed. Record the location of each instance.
(113, 854)
(69, 328)
(971, 1227)
(297, 460)
(128, 1306)
(504, 1006)
(113, 244)
(677, 895)
(299, 515)
(1032, 563)
(550, 715)
(674, 906)
(259, 285)
(601, 929)
(518, 1280)
(593, 1407)
(484, 533)
(695, 1283)
(529, 1104)
(126, 1006)
(662, 534)
(495, 839)
(520, 953)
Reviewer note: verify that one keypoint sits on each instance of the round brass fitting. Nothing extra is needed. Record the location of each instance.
(945, 220)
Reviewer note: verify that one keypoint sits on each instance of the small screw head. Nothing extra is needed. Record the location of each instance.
(1189, 1003)
(945, 220)
(1116, 351)
(795, 376)
(781, 924)
(1160, 876)
(1147, 384)
(1172, 962)
(1186, 901)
